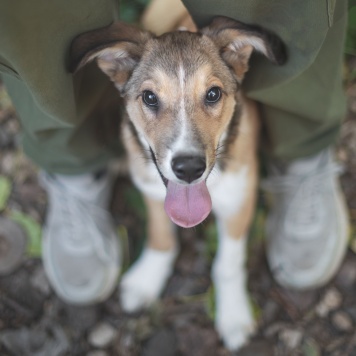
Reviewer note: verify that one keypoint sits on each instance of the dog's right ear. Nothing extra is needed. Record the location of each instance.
(116, 48)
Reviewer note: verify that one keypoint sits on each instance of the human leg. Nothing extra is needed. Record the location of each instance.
(58, 111)
(61, 127)
(303, 105)
(307, 227)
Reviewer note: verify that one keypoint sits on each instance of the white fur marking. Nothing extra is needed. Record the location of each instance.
(234, 320)
(183, 142)
(110, 54)
(144, 173)
(227, 191)
(148, 181)
(145, 280)
(256, 43)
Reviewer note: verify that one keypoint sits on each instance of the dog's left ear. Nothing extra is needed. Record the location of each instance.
(116, 48)
(236, 42)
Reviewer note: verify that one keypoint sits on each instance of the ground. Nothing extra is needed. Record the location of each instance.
(33, 321)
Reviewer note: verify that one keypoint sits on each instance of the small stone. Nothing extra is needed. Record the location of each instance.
(161, 343)
(102, 335)
(331, 301)
(346, 276)
(126, 344)
(8, 163)
(300, 300)
(342, 321)
(291, 338)
(40, 282)
(274, 329)
(258, 348)
(79, 319)
(45, 338)
(334, 346)
(197, 341)
(128, 340)
(342, 155)
(351, 311)
(97, 353)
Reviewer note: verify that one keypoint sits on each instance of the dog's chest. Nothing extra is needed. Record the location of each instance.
(228, 190)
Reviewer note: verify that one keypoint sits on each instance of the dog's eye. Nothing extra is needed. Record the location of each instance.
(149, 98)
(213, 95)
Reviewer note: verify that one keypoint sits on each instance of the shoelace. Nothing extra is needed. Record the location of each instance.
(73, 207)
(280, 184)
(305, 192)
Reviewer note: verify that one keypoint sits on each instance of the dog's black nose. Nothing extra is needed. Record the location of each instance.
(188, 168)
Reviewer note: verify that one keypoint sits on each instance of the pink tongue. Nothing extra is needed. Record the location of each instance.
(187, 205)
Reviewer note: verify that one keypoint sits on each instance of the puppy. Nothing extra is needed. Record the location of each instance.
(191, 139)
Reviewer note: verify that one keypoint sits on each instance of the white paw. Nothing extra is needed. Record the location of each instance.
(143, 283)
(234, 321)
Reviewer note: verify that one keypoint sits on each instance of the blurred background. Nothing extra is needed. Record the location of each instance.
(33, 321)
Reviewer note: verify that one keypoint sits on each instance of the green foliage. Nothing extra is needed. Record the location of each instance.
(350, 45)
(124, 246)
(352, 237)
(131, 10)
(5, 101)
(257, 233)
(310, 348)
(256, 310)
(211, 233)
(210, 302)
(5, 191)
(33, 230)
(135, 202)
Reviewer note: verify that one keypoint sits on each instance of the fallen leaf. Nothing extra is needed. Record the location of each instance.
(5, 191)
(33, 230)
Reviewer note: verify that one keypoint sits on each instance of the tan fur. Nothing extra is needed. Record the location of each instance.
(160, 230)
(244, 153)
(162, 16)
(243, 150)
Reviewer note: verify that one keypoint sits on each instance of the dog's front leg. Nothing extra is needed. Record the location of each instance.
(145, 280)
(234, 320)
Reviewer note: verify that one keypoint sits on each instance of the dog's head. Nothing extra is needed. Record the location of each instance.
(180, 93)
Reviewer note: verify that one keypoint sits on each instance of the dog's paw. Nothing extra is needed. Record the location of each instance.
(234, 320)
(143, 283)
(235, 325)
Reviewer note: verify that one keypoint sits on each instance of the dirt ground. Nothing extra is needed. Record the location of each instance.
(33, 321)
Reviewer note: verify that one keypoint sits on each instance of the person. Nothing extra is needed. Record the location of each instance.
(302, 106)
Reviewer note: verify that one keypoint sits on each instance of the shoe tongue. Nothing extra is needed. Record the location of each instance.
(187, 205)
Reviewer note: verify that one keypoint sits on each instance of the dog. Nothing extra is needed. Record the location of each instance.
(191, 138)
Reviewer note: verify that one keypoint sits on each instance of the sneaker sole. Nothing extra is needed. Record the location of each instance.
(106, 290)
(337, 258)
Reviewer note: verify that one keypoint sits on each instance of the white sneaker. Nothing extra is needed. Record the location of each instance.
(307, 228)
(80, 249)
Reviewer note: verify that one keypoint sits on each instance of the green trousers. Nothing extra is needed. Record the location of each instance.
(302, 102)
